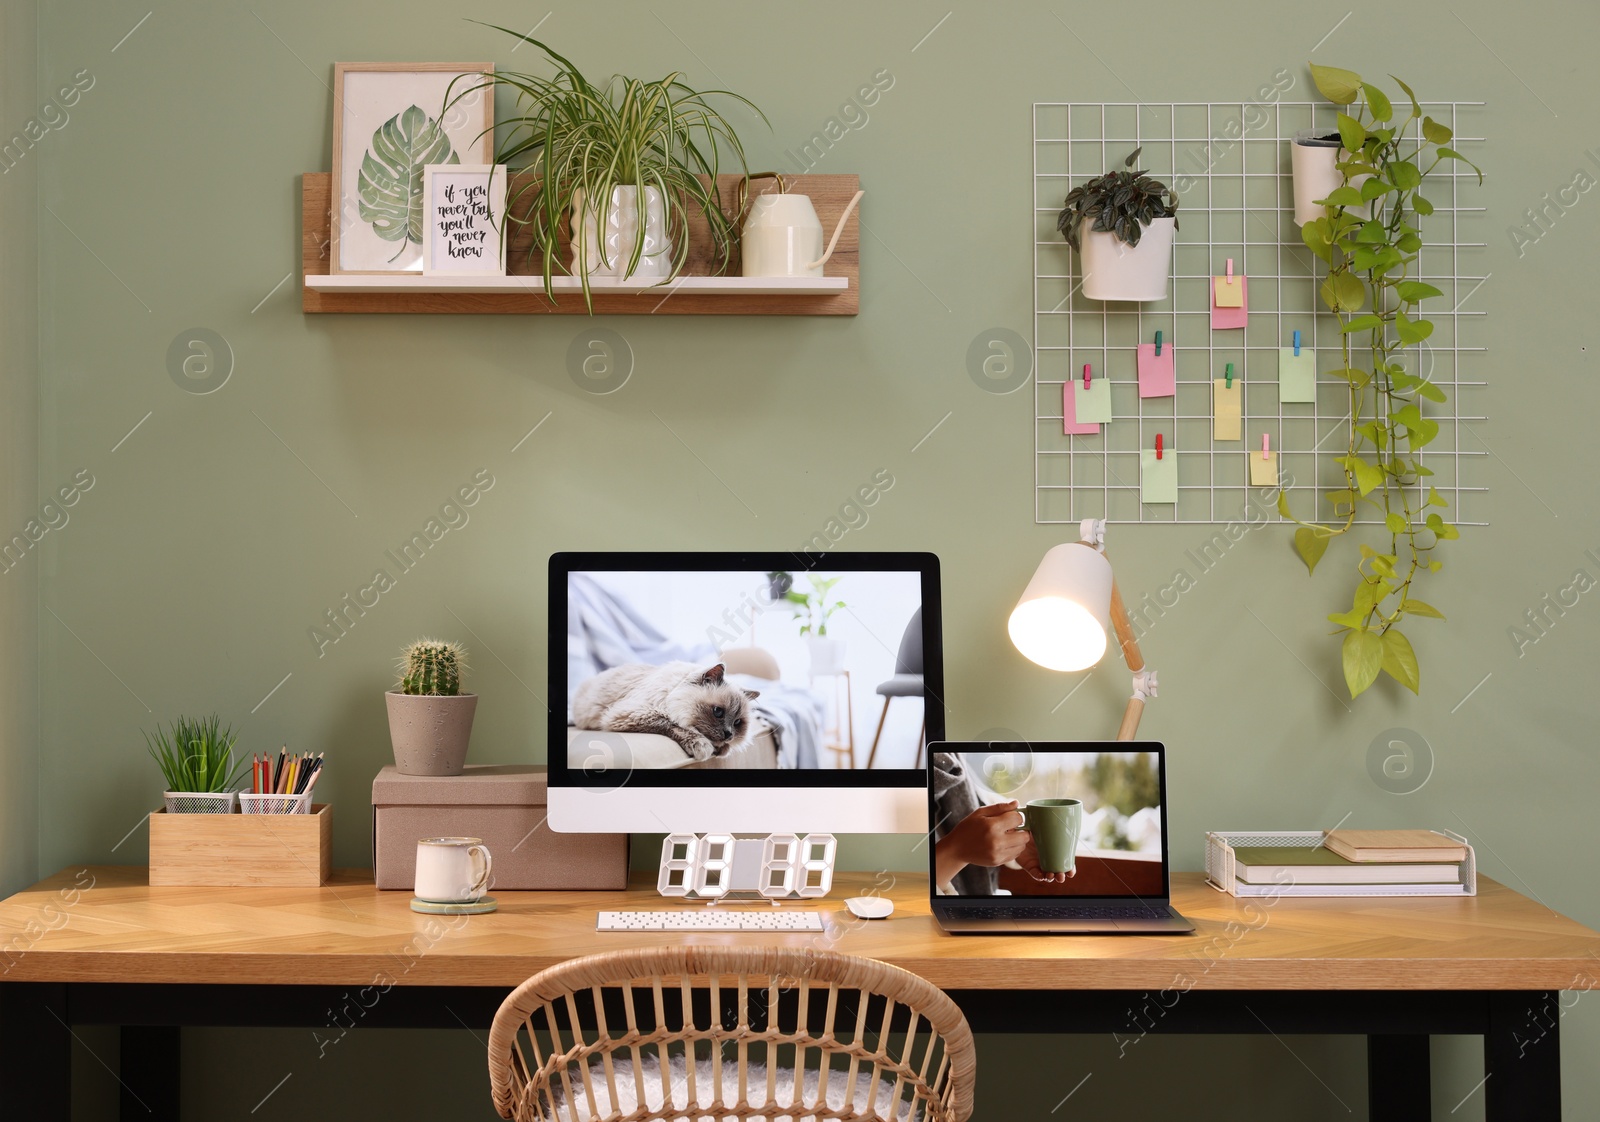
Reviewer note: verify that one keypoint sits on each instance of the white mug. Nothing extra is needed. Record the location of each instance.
(452, 870)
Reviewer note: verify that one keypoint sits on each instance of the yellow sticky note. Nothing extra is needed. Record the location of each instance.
(1229, 293)
(1263, 470)
(1227, 409)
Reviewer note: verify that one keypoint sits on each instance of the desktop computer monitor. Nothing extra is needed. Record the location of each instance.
(743, 692)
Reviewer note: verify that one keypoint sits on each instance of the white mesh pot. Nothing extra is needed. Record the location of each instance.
(275, 804)
(202, 802)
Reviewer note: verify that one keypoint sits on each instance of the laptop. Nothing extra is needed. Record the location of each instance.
(1095, 862)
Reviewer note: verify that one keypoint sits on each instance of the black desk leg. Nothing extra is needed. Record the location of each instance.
(35, 1052)
(1522, 1057)
(150, 1069)
(1398, 1088)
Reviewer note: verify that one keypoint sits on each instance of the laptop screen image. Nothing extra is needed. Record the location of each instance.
(1047, 820)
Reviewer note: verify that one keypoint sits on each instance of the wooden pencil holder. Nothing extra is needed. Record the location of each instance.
(270, 849)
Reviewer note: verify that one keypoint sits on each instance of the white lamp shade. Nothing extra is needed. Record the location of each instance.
(1063, 616)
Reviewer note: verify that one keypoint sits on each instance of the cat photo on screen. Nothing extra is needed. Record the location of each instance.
(695, 706)
(732, 670)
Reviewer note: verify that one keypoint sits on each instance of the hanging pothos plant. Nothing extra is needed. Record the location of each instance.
(1371, 242)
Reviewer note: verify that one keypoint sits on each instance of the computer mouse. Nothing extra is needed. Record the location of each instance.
(870, 907)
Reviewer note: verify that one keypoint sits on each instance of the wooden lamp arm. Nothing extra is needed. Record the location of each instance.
(1144, 680)
(1129, 642)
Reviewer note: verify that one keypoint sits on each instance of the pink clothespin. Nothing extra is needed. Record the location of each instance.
(1265, 446)
(1086, 376)
(1230, 270)
(1158, 445)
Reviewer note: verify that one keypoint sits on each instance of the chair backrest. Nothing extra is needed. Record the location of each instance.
(730, 1032)
(755, 661)
(909, 660)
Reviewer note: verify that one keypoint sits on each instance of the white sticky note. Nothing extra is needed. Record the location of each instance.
(1297, 375)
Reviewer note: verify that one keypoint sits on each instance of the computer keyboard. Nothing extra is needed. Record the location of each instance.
(710, 919)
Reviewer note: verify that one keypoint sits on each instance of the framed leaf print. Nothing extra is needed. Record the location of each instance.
(389, 122)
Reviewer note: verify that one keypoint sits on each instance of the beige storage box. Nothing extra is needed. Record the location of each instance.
(506, 806)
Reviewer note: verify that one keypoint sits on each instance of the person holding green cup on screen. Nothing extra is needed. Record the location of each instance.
(1054, 826)
(973, 839)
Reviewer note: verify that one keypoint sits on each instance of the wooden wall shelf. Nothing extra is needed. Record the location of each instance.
(522, 292)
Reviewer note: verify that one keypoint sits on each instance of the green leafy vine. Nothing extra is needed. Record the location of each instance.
(1371, 244)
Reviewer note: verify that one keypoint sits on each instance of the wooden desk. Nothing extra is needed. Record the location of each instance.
(99, 946)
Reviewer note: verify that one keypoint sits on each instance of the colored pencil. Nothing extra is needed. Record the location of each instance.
(311, 775)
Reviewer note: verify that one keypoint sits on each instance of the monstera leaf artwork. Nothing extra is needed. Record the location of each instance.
(390, 184)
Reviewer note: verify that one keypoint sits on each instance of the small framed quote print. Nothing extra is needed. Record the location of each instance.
(390, 120)
(464, 219)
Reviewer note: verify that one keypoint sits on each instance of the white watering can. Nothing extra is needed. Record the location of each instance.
(783, 236)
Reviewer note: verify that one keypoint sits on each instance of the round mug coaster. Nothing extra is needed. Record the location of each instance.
(433, 908)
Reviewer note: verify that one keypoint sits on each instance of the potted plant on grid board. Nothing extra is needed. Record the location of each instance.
(196, 759)
(430, 719)
(1370, 240)
(1122, 224)
(650, 149)
(1315, 159)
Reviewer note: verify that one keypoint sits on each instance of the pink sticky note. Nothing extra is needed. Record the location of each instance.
(1070, 424)
(1158, 375)
(1223, 318)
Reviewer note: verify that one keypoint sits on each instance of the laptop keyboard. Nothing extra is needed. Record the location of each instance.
(1075, 911)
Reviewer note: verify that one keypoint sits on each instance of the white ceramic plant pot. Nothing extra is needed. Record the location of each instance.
(1114, 270)
(615, 231)
(827, 655)
(430, 734)
(1312, 161)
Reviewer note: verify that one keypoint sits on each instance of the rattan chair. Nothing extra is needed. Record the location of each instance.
(720, 1033)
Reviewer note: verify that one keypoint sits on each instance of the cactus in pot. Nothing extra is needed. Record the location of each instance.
(431, 668)
(430, 719)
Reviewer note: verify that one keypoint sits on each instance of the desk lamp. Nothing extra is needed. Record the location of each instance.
(1061, 622)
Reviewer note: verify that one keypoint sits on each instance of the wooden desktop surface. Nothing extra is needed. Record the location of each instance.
(119, 929)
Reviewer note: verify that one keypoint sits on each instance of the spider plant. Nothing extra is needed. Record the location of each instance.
(582, 140)
(196, 755)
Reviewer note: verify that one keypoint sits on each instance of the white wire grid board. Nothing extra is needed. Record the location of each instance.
(1229, 163)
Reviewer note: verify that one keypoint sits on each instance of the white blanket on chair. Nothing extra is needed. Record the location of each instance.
(705, 1081)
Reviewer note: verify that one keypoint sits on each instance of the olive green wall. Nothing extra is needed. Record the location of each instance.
(220, 527)
(19, 457)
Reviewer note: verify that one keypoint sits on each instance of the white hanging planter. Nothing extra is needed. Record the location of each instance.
(1115, 270)
(1312, 156)
(616, 231)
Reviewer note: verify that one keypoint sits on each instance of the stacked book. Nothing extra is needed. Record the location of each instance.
(1343, 863)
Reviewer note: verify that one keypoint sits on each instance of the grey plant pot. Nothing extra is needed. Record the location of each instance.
(430, 734)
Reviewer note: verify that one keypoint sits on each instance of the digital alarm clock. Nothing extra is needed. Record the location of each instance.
(771, 866)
